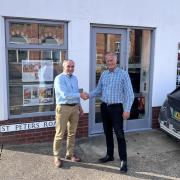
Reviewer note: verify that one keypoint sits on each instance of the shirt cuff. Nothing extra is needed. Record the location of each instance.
(77, 95)
(127, 109)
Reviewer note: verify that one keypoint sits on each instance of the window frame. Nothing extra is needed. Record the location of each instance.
(40, 47)
(36, 46)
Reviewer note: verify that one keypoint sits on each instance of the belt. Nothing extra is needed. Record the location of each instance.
(68, 104)
(112, 105)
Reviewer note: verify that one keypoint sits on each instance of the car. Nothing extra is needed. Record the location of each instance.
(169, 116)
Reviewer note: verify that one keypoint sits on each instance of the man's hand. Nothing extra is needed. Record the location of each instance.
(84, 95)
(126, 115)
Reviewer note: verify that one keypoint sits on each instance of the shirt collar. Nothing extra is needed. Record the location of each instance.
(115, 70)
(69, 76)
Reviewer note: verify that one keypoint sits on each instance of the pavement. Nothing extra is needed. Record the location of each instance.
(151, 155)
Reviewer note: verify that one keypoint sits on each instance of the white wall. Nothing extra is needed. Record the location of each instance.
(163, 15)
(3, 80)
(165, 63)
(78, 49)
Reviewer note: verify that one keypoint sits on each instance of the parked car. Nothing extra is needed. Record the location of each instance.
(169, 116)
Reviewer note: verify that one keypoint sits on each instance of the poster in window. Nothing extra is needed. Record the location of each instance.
(37, 70)
(38, 94)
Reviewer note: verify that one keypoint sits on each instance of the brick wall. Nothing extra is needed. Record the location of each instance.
(37, 135)
(155, 114)
(47, 134)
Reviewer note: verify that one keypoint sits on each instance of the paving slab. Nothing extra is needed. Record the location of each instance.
(151, 155)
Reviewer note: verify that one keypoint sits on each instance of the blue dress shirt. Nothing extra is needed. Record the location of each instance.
(115, 87)
(66, 89)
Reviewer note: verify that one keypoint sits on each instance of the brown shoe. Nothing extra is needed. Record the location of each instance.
(73, 158)
(57, 162)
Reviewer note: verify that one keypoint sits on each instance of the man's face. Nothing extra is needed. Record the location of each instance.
(111, 62)
(69, 67)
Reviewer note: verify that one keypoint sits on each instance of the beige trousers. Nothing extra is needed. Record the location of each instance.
(66, 117)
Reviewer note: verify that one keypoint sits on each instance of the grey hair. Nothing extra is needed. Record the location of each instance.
(65, 61)
(111, 54)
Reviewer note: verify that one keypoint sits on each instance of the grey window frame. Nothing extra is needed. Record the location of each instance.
(10, 46)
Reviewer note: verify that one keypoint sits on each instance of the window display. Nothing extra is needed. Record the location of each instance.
(38, 94)
(37, 71)
(36, 51)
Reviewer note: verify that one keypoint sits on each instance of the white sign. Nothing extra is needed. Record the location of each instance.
(37, 70)
(27, 126)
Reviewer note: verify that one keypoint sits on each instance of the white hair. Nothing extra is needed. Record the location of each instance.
(111, 54)
(66, 61)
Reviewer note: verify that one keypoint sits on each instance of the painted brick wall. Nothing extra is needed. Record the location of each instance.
(47, 134)
(38, 135)
(155, 114)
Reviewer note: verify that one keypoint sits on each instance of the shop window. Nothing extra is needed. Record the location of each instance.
(36, 50)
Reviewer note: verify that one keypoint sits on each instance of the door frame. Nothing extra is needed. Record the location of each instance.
(95, 128)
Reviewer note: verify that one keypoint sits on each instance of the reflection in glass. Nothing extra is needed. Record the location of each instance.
(17, 39)
(49, 40)
(135, 46)
(51, 34)
(15, 57)
(138, 68)
(29, 31)
(35, 57)
(34, 33)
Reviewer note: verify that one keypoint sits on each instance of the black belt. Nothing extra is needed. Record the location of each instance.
(112, 105)
(68, 104)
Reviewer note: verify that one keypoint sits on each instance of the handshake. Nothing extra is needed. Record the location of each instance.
(84, 95)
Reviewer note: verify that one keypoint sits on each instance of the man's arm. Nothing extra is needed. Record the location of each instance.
(129, 96)
(98, 91)
(62, 88)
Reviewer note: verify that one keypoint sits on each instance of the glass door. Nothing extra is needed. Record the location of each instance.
(133, 50)
(138, 66)
(103, 40)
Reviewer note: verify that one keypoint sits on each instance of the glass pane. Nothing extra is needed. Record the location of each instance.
(104, 43)
(22, 55)
(51, 34)
(135, 47)
(55, 55)
(33, 33)
(18, 39)
(28, 91)
(23, 33)
(12, 56)
(139, 59)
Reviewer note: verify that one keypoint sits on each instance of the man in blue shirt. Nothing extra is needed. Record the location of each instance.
(68, 109)
(115, 89)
